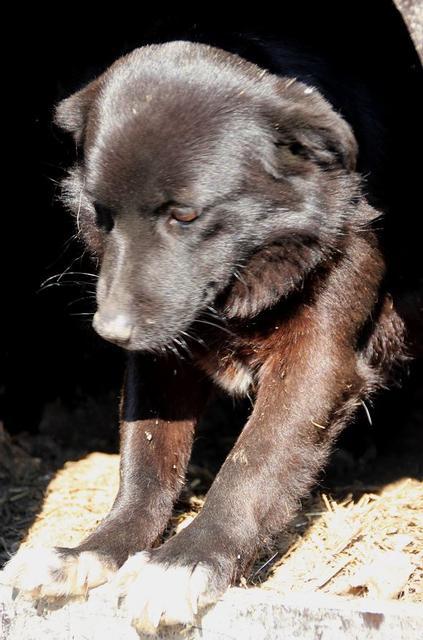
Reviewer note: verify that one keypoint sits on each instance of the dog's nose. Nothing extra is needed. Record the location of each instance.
(115, 327)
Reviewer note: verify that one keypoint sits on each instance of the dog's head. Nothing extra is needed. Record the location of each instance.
(192, 161)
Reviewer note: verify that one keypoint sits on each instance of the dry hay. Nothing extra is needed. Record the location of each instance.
(372, 545)
(367, 543)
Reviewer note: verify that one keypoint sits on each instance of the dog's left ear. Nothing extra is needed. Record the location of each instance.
(72, 113)
(307, 126)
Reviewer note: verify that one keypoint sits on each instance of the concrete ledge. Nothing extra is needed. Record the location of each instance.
(252, 614)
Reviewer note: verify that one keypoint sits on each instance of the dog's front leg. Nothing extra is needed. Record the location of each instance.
(162, 400)
(306, 390)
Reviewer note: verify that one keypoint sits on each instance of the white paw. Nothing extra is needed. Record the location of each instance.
(158, 594)
(48, 573)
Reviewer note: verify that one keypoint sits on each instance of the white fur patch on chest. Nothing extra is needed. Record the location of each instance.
(236, 378)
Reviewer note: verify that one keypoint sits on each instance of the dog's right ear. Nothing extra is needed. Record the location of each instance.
(72, 113)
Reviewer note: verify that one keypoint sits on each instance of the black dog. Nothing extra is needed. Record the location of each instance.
(229, 218)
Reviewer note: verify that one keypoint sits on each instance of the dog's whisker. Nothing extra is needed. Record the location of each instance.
(217, 326)
(240, 279)
(67, 283)
(185, 346)
(60, 276)
(194, 337)
(91, 298)
(84, 313)
(212, 310)
(171, 346)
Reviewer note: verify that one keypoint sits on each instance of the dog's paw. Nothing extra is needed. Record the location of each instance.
(158, 592)
(56, 573)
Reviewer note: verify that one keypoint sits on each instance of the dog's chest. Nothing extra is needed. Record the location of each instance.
(230, 372)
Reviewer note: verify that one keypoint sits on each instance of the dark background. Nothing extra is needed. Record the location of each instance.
(47, 353)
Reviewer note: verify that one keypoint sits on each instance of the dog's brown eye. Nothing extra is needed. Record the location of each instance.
(183, 216)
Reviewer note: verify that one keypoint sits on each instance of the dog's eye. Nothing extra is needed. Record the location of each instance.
(103, 217)
(183, 216)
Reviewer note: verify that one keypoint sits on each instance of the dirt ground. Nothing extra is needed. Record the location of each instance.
(359, 534)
